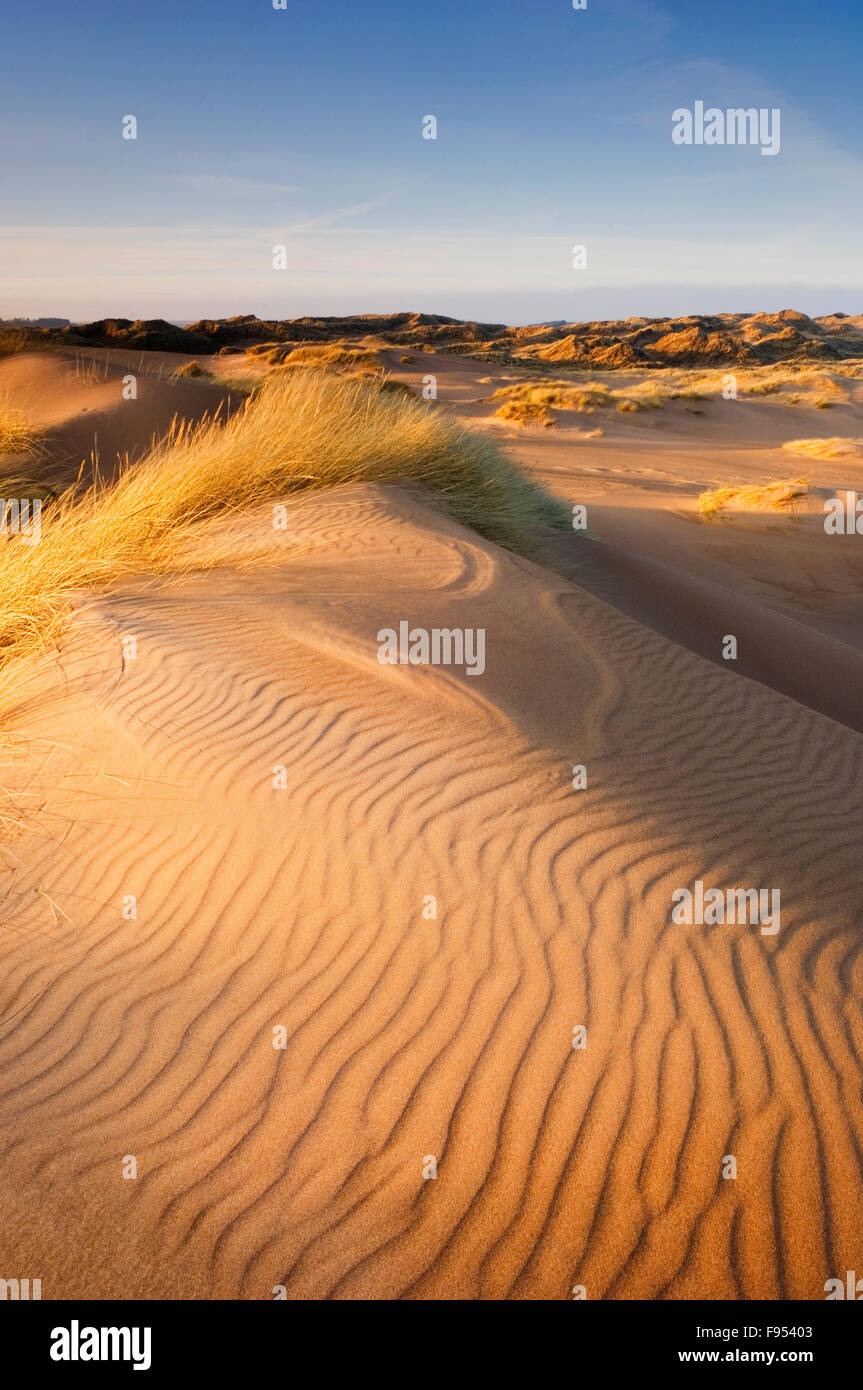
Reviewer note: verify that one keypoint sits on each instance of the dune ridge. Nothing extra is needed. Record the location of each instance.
(689, 340)
(408, 1037)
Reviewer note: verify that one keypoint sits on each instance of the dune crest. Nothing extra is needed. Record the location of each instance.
(301, 901)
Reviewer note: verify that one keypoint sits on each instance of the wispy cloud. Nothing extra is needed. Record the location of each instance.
(329, 219)
(231, 184)
(237, 185)
(186, 272)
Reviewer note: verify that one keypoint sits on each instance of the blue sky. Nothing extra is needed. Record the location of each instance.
(303, 127)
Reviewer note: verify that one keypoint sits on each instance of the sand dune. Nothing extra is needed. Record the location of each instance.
(76, 402)
(775, 648)
(640, 480)
(409, 1037)
(617, 343)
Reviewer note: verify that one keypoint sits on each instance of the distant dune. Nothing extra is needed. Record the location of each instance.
(696, 340)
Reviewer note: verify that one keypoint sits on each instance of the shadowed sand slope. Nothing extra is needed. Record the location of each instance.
(76, 402)
(149, 775)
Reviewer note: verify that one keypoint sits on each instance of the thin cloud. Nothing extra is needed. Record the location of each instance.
(329, 219)
(231, 183)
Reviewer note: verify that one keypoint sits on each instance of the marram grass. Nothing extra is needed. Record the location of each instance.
(302, 429)
(760, 497)
(835, 447)
(17, 435)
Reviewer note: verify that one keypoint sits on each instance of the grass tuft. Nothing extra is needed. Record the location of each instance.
(17, 435)
(302, 429)
(833, 448)
(767, 497)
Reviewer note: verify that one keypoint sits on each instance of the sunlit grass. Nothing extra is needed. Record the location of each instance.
(302, 429)
(833, 448)
(534, 400)
(17, 435)
(764, 497)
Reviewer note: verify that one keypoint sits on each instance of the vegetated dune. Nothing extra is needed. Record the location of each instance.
(228, 826)
(640, 475)
(734, 339)
(300, 430)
